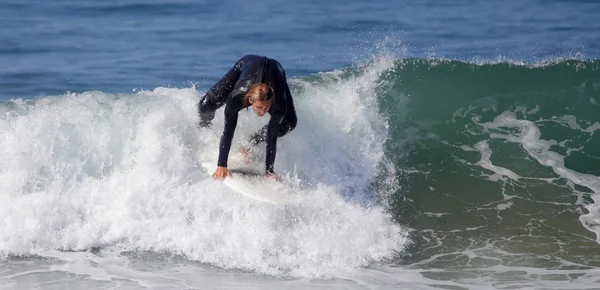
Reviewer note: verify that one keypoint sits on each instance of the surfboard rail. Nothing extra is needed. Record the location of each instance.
(251, 183)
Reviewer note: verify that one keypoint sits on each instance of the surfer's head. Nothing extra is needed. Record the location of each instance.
(260, 97)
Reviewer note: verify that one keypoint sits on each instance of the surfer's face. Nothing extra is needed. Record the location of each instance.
(261, 107)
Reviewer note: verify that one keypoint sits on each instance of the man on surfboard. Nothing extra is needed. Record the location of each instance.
(258, 82)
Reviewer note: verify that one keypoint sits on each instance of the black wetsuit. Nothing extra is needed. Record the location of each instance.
(230, 91)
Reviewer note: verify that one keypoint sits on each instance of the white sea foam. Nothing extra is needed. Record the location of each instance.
(96, 170)
(529, 136)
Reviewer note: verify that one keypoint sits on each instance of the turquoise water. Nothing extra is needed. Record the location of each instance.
(440, 146)
(499, 163)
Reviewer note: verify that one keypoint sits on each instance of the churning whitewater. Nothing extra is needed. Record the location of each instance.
(95, 170)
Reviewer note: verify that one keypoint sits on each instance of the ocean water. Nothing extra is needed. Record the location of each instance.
(440, 145)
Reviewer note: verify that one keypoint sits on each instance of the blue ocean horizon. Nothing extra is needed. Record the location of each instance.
(50, 48)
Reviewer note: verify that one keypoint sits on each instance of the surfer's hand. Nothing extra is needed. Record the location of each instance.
(273, 176)
(221, 173)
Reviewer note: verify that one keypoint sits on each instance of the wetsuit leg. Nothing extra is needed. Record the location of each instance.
(211, 102)
(259, 136)
(287, 125)
(206, 110)
(217, 95)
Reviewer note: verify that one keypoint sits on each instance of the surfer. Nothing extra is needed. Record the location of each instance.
(258, 82)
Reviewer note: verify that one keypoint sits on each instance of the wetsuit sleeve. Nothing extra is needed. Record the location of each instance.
(272, 132)
(231, 118)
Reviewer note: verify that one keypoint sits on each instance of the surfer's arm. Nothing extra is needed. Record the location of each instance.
(231, 117)
(272, 131)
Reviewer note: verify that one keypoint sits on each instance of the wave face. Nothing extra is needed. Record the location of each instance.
(492, 166)
(499, 166)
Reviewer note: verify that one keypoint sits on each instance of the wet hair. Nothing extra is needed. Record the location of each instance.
(260, 92)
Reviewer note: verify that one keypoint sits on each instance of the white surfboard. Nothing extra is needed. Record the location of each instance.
(254, 184)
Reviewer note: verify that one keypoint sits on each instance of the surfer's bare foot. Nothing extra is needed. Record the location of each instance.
(244, 152)
(273, 176)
